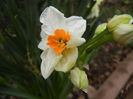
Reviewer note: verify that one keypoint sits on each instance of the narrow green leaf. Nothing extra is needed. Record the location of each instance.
(15, 92)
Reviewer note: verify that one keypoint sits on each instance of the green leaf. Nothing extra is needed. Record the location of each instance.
(15, 92)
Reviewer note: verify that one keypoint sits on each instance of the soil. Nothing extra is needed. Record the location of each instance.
(106, 62)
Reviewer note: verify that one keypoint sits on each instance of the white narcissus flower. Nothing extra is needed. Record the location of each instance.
(60, 38)
(79, 78)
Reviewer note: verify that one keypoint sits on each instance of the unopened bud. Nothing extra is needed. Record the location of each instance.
(117, 20)
(79, 78)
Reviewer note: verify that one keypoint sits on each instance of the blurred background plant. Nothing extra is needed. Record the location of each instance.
(20, 34)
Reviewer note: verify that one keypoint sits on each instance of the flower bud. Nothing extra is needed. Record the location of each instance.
(124, 34)
(79, 78)
(117, 20)
(100, 28)
(95, 9)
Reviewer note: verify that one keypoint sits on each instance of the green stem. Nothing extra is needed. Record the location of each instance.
(93, 40)
(92, 44)
(66, 90)
(99, 42)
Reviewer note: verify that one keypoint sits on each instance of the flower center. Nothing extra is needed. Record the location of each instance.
(59, 40)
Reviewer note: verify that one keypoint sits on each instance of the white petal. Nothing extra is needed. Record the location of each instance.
(43, 44)
(49, 61)
(43, 54)
(68, 60)
(76, 25)
(52, 19)
(43, 34)
(75, 41)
